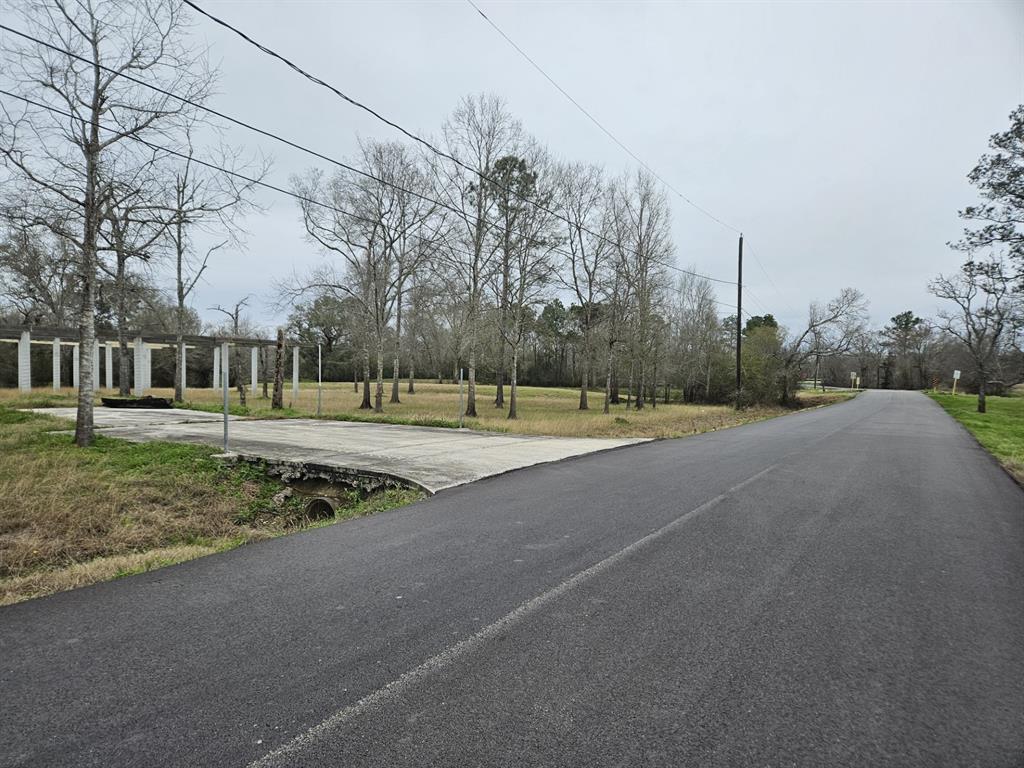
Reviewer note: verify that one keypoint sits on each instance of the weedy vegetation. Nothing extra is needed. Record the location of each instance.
(73, 516)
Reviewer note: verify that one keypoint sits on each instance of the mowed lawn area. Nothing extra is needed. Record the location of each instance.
(542, 410)
(71, 516)
(1000, 429)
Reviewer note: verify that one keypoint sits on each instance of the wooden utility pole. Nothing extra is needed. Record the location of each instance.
(739, 321)
(278, 399)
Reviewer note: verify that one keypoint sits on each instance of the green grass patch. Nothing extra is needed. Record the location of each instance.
(1000, 429)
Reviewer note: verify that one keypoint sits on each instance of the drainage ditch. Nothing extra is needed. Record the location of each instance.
(324, 489)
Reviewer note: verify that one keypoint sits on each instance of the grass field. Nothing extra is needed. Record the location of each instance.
(542, 410)
(74, 516)
(1000, 429)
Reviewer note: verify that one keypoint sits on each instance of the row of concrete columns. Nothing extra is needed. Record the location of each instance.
(25, 362)
(254, 366)
(142, 361)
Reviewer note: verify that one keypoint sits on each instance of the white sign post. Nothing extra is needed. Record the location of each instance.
(319, 379)
(956, 378)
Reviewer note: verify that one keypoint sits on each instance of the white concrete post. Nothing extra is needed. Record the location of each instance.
(255, 369)
(25, 362)
(147, 369)
(295, 376)
(109, 361)
(184, 370)
(74, 366)
(216, 367)
(138, 363)
(96, 363)
(56, 364)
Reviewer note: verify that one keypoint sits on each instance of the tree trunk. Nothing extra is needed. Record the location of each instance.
(365, 405)
(84, 427)
(471, 388)
(981, 391)
(394, 381)
(378, 398)
(629, 386)
(179, 313)
(653, 393)
(239, 378)
(608, 383)
(412, 380)
(499, 379)
(179, 342)
(785, 390)
(278, 401)
(707, 381)
(84, 424)
(355, 376)
(584, 383)
(512, 399)
(639, 403)
(396, 364)
(667, 391)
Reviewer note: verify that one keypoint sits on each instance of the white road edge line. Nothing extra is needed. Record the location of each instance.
(451, 654)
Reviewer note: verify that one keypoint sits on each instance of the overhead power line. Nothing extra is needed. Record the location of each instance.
(220, 169)
(773, 285)
(597, 122)
(614, 138)
(301, 148)
(424, 142)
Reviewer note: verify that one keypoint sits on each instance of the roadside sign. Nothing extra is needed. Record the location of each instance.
(956, 375)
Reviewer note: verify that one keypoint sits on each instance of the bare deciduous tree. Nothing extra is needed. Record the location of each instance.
(832, 329)
(987, 307)
(524, 244)
(208, 202)
(581, 196)
(642, 222)
(478, 133)
(79, 115)
(376, 225)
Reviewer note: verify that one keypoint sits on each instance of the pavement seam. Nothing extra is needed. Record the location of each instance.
(453, 653)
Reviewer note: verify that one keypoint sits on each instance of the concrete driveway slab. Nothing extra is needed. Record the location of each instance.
(432, 458)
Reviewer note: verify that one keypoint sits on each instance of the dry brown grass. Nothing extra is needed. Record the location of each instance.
(70, 516)
(542, 410)
(47, 581)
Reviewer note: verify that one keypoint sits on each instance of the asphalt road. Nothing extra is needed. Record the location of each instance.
(839, 587)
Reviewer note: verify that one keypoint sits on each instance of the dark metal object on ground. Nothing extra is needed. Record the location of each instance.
(137, 402)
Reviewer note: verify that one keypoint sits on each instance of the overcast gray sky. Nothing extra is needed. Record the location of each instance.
(836, 135)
